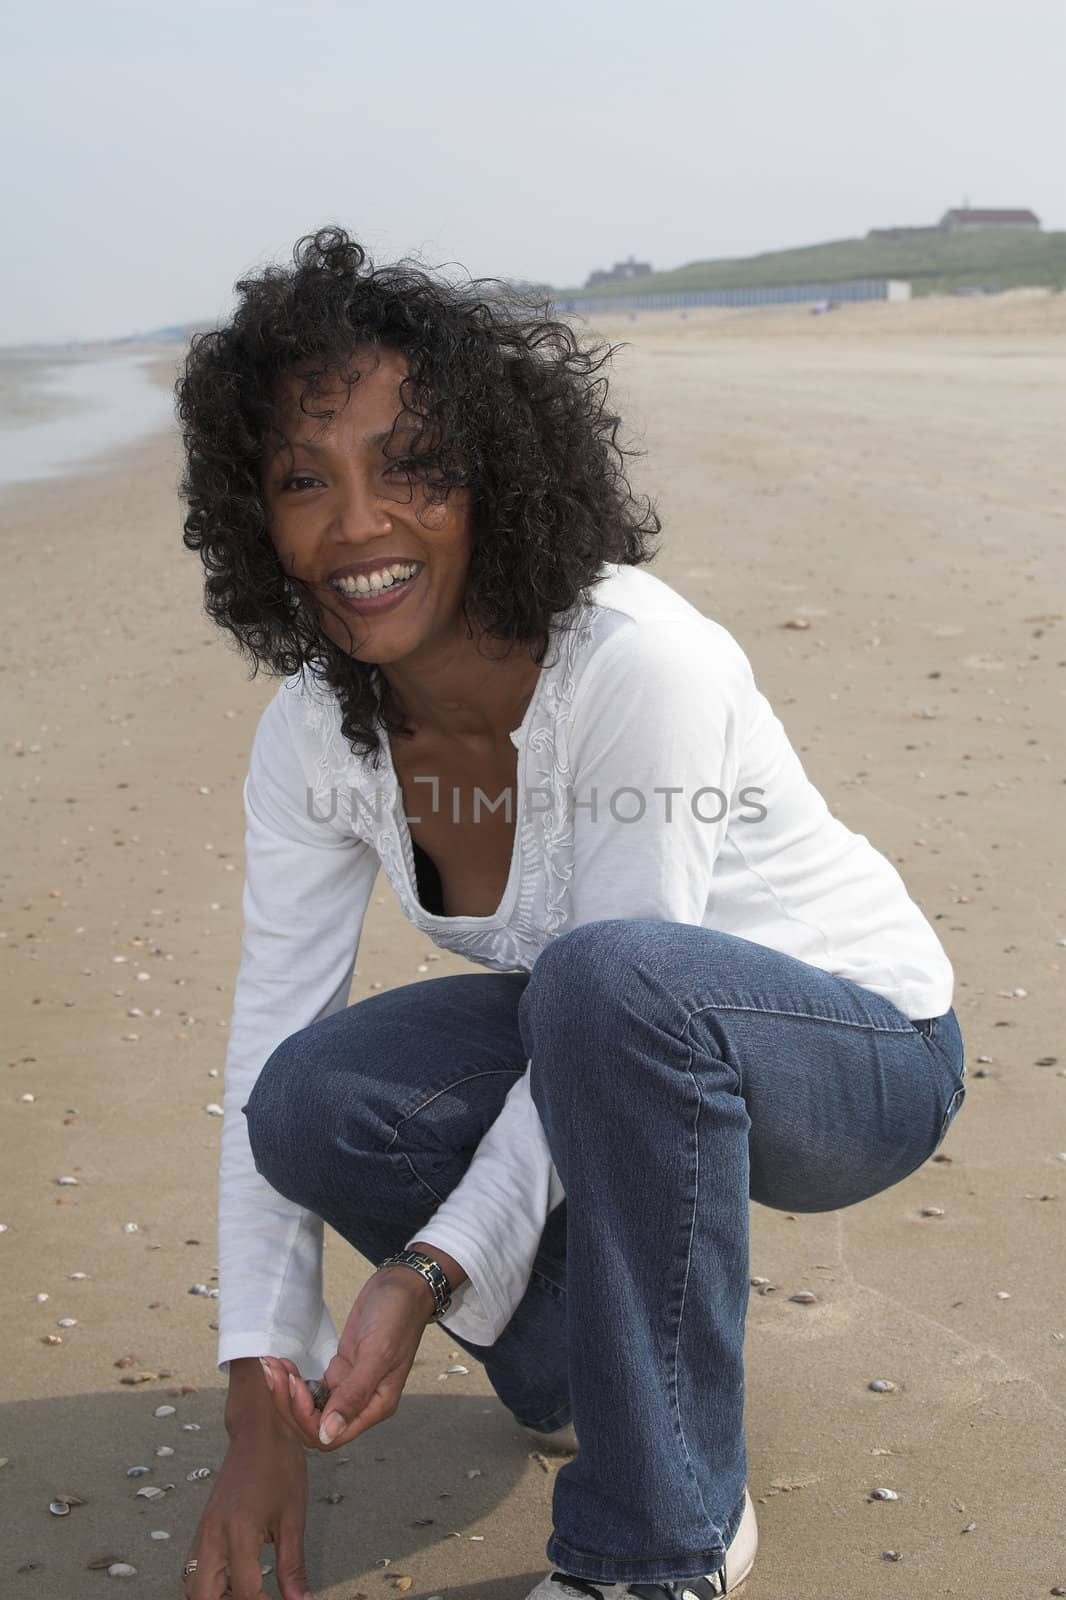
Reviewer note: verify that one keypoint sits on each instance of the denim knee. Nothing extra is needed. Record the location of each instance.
(280, 1114)
(573, 966)
(582, 980)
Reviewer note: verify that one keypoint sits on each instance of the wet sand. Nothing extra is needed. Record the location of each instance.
(890, 475)
(64, 411)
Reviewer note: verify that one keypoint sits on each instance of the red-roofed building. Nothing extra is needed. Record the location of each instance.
(961, 221)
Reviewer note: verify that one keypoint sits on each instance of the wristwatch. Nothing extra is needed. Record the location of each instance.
(431, 1271)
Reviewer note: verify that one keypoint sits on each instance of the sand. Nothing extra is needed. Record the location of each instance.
(888, 473)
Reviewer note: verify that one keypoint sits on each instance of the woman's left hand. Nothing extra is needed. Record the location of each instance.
(366, 1377)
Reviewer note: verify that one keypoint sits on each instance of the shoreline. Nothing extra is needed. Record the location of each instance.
(65, 415)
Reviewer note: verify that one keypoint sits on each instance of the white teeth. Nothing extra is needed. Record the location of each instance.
(375, 582)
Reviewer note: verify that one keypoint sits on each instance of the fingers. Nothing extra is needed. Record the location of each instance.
(223, 1574)
(345, 1404)
(246, 1580)
(210, 1581)
(353, 1406)
(305, 1414)
(351, 1411)
(292, 1398)
(338, 1372)
(291, 1574)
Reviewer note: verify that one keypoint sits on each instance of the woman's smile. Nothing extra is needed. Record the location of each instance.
(351, 519)
(375, 587)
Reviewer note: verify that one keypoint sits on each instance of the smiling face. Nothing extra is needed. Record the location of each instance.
(384, 558)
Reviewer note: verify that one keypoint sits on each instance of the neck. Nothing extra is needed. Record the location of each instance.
(464, 693)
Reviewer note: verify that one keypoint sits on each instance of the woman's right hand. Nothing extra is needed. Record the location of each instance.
(260, 1497)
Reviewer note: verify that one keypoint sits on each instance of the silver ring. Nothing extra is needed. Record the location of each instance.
(189, 1568)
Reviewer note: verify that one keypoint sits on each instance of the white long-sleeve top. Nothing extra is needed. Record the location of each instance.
(653, 780)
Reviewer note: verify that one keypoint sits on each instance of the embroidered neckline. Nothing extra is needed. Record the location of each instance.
(502, 913)
(535, 897)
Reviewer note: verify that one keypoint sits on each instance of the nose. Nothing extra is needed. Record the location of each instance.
(360, 511)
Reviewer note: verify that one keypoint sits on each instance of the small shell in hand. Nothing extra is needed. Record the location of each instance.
(319, 1392)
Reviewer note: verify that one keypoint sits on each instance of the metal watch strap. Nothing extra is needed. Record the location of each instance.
(428, 1269)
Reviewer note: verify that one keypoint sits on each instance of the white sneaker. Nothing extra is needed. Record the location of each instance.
(739, 1560)
(561, 1442)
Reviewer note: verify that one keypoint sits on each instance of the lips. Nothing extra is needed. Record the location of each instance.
(354, 568)
(373, 601)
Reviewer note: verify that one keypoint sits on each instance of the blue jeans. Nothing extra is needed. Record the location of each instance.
(678, 1071)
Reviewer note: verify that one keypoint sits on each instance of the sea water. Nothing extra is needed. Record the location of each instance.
(57, 415)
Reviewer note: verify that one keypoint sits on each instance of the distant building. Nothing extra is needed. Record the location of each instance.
(963, 220)
(621, 272)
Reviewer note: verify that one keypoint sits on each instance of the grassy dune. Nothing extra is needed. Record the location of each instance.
(934, 264)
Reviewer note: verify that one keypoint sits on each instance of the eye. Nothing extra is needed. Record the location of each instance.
(296, 479)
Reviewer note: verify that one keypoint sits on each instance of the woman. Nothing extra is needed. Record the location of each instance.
(410, 504)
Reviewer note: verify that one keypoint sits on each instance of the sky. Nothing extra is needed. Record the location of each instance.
(155, 150)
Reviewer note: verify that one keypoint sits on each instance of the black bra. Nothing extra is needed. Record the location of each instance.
(427, 878)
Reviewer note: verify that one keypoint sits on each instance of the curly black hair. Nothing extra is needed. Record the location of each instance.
(508, 405)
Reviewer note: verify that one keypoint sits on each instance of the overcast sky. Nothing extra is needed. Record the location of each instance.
(155, 149)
